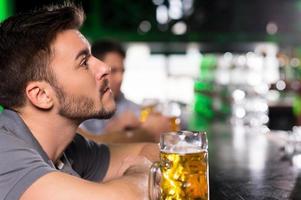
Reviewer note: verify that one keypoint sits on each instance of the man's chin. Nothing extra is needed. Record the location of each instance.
(105, 114)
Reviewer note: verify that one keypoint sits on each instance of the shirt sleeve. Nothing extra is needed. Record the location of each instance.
(89, 159)
(20, 167)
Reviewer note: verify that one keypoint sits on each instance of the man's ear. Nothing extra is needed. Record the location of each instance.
(38, 94)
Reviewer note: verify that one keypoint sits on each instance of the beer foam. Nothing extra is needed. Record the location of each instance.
(183, 148)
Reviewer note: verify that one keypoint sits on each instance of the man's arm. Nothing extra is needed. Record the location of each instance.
(61, 186)
(127, 178)
(126, 136)
(149, 131)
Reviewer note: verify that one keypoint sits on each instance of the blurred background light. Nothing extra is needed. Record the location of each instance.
(280, 85)
(272, 28)
(179, 28)
(158, 2)
(162, 14)
(175, 9)
(145, 26)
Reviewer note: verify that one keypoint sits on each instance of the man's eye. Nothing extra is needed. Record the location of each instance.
(84, 63)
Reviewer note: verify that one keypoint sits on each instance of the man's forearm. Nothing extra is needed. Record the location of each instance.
(133, 186)
(62, 186)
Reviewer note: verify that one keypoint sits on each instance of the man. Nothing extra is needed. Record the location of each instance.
(127, 113)
(50, 83)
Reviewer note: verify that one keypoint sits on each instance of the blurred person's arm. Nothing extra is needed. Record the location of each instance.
(125, 136)
(148, 131)
(156, 124)
(123, 121)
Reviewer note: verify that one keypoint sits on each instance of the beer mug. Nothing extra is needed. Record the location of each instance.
(148, 106)
(182, 169)
(173, 111)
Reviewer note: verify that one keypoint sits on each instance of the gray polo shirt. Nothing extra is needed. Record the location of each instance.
(23, 161)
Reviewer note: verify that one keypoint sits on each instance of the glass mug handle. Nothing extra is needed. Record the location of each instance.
(152, 183)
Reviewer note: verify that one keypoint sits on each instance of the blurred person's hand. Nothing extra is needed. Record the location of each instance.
(156, 124)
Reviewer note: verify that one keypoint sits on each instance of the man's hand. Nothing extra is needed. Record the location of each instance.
(139, 173)
(135, 170)
(124, 156)
(133, 165)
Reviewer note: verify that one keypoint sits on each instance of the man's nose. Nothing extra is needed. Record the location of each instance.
(102, 69)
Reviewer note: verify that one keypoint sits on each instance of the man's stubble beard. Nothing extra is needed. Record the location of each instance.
(80, 108)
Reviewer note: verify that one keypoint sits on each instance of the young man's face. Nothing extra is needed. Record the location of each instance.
(81, 80)
(115, 61)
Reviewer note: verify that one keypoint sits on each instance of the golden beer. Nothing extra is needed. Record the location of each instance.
(174, 123)
(145, 111)
(184, 176)
(182, 172)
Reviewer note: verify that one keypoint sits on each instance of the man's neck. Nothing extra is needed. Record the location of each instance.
(52, 131)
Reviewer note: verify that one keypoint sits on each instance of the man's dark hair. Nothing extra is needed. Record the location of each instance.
(102, 47)
(25, 48)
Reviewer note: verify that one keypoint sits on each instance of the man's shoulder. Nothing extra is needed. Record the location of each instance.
(11, 126)
(9, 140)
(13, 132)
(21, 165)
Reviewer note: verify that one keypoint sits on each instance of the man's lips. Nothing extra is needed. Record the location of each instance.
(105, 87)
